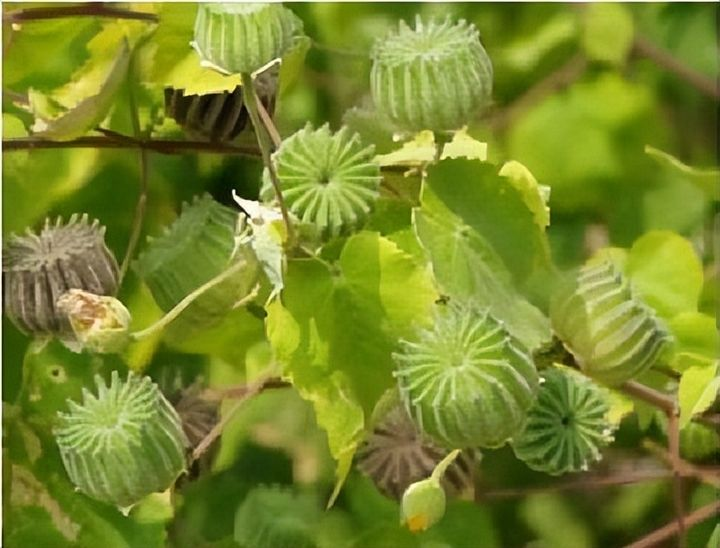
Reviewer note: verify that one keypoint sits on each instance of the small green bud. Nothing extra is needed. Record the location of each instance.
(423, 503)
(244, 37)
(100, 323)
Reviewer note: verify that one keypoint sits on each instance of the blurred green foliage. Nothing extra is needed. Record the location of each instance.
(575, 100)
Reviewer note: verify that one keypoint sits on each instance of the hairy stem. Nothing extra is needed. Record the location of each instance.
(263, 143)
(649, 395)
(141, 206)
(187, 301)
(244, 393)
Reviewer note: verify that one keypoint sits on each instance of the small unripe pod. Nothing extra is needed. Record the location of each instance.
(566, 426)
(612, 334)
(244, 37)
(423, 503)
(122, 444)
(101, 324)
(466, 382)
(196, 248)
(39, 268)
(327, 180)
(432, 77)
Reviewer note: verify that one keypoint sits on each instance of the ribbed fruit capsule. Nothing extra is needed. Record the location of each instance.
(327, 180)
(244, 37)
(434, 76)
(219, 117)
(122, 444)
(466, 382)
(273, 517)
(612, 334)
(396, 455)
(39, 268)
(196, 248)
(566, 426)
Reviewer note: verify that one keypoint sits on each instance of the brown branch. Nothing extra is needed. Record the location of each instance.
(672, 529)
(558, 79)
(162, 146)
(242, 393)
(585, 483)
(676, 462)
(95, 9)
(649, 395)
(664, 59)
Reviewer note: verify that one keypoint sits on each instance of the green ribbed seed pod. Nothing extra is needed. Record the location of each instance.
(39, 268)
(396, 455)
(273, 517)
(466, 382)
(327, 180)
(122, 444)
(196, 248)
(612, 334)
(566, 426)
(435, 76)
(244, 37)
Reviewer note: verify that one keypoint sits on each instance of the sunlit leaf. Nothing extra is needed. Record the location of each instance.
(698, 390)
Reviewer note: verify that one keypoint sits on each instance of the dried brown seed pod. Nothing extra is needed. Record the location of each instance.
(396, 455)
(219, 117)
(39, 268)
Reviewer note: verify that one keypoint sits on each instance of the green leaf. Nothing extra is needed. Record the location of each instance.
(555, 521)
(666, 271)
(477, 229)
(696, 339)
(194, 79)
(698, 390)
(705, 179)
(334, 331)
(292, 63)
(714, 539)
(608, 32)
(91, 110)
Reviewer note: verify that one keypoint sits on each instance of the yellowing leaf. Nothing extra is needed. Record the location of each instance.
(534, 194)
(195, 79)
(421, 150)
(698, 390)
(91, 110)
(464, 146)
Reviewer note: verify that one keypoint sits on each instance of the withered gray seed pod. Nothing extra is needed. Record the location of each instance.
(219, 117)
(39, 268)
(395, 455)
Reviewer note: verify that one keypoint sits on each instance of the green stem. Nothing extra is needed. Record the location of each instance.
(141, 206)
(439, 470)
(265, 146)
(187, 301)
